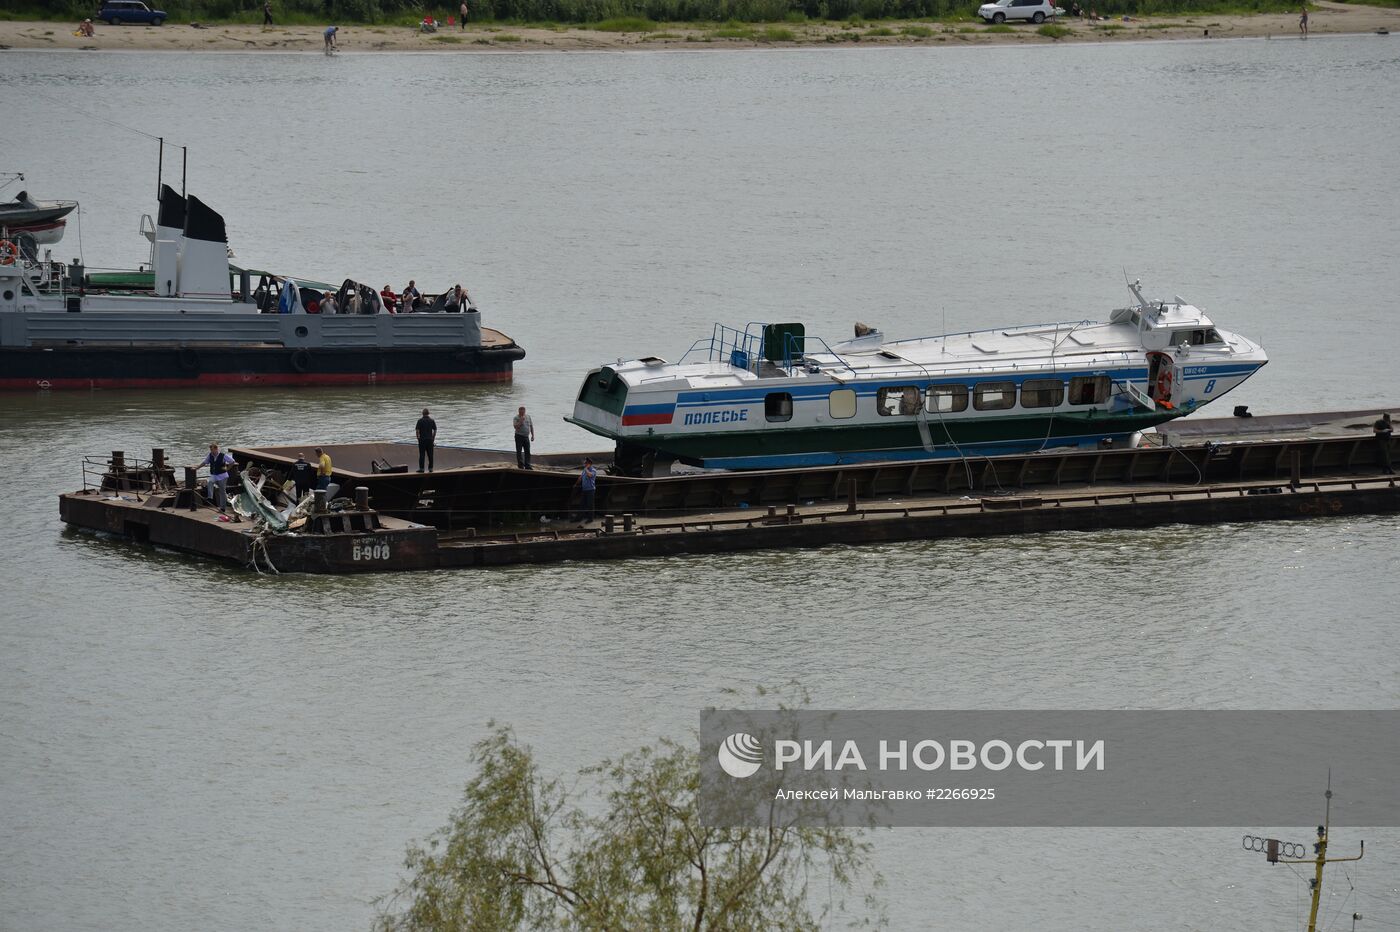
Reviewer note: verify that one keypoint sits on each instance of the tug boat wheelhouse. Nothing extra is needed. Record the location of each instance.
(770, 396)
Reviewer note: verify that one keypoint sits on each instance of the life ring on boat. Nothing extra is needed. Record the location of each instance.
(301, 361)
(9, 252)
(1164, 384)
(189, 358)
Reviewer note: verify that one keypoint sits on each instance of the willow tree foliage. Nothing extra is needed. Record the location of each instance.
(523, 851)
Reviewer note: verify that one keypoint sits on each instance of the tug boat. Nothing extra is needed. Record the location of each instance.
(770, 396)
(190, 319)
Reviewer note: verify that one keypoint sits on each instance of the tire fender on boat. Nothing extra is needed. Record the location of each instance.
(301, 361)
(189, 358)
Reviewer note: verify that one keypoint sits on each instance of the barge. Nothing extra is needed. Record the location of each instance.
(191, 320)
(402, 521)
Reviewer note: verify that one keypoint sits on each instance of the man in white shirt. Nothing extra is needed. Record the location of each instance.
(524, 433)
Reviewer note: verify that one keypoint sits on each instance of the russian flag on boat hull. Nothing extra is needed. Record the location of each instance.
(642, 415)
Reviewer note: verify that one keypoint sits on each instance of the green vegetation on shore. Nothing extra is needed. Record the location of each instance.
(614, 15)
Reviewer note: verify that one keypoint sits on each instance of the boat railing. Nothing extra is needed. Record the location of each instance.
(1047, 327)
(742, 349)
(119, 473)
(935, 371)
(747, 349)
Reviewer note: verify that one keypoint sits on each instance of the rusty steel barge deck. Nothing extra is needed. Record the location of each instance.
(480, 510)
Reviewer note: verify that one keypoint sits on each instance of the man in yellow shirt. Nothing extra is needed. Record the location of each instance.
(323, 468)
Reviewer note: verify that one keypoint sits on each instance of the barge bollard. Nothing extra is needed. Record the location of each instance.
(772, 512)
(791, 513)
(318, 504)
(157, 459)
(118, 460)
(1297, 466)
(190, 486)
(627, 524)
(608, 524)
(361, 498)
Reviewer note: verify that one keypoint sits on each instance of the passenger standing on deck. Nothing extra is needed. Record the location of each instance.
(587, 483)
(427, 436)
(303, 477)
(1383, 431)
(391, 300)
(323, 469)
(524, 433)
(218, 464)
(411, 296)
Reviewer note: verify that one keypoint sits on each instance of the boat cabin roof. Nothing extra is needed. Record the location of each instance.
(1036, 347)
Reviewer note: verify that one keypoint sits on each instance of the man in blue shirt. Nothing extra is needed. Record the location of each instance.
(330, 38)
(587, 482)
(218, 464)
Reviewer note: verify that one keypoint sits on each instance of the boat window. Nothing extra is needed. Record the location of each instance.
(1042, 393)
(1213, 336)
(899, 400)
(1088, 389)
(843, 403)
(994, 396)
(777, 406)
(945, 398)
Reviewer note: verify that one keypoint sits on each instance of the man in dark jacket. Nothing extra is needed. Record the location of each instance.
(427, 437)
(1384, 431)
(303, 476)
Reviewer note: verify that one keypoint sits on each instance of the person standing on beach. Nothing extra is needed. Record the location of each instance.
(1303, 23)
(426, 430)
(463, 11)
(524, 433)
(330, 38)
(267, 13)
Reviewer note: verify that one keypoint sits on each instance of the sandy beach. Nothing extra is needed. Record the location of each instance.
(1326, 19)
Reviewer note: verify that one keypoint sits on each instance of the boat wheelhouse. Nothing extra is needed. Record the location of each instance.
(771, 396)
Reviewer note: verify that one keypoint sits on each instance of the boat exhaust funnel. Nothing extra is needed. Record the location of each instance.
(165, 246)
(204, 258)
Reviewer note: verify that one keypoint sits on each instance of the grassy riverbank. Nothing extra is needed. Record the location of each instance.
(627, 33)
(612, 15)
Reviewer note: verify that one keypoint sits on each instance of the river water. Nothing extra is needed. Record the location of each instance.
(184, 745)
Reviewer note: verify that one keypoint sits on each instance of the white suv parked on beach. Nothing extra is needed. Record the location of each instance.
(1037, 11)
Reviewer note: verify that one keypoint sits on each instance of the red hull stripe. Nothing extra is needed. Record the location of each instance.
(254, 380)
(633, 420)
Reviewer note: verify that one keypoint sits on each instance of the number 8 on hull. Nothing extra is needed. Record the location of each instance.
(770, 396)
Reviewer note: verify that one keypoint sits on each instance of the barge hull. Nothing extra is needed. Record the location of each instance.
(808, 530)
(194, 366)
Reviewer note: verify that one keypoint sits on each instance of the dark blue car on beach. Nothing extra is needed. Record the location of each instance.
(116, 12)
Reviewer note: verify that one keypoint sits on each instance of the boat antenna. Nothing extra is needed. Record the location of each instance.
(160, 167)
(1277, 852)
